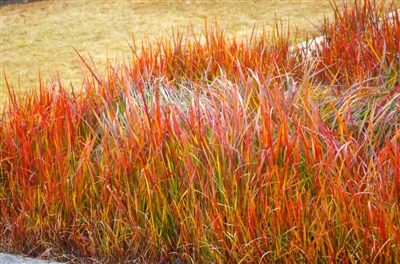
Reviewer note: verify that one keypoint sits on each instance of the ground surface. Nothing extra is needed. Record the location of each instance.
(41, 36)
(13, 259)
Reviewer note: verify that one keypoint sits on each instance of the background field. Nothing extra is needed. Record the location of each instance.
(40, 36)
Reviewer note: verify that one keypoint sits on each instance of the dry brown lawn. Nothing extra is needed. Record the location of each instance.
(41, 36)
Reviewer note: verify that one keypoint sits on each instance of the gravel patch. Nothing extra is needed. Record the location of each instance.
(15, 259)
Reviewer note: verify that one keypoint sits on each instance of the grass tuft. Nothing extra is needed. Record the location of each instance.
(207, 149)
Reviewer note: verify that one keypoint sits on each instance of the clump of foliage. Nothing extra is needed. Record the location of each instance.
(206, 149)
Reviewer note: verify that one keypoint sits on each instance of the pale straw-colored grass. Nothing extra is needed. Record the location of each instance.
(41, 36)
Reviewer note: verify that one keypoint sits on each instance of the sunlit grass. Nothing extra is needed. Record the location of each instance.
(207, 149)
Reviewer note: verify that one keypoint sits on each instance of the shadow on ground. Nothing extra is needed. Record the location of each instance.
(7, 2)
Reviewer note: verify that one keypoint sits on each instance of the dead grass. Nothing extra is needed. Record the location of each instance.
(41, 36)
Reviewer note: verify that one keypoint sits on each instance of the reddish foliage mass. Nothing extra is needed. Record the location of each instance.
(214, 151)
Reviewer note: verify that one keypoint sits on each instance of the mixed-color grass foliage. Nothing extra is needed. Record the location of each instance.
(206, 149)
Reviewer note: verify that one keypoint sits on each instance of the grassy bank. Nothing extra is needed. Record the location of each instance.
(205, 149)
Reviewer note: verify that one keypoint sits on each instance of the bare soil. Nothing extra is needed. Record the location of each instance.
(41, 36)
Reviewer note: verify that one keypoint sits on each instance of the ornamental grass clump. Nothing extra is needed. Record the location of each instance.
(206, 149)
